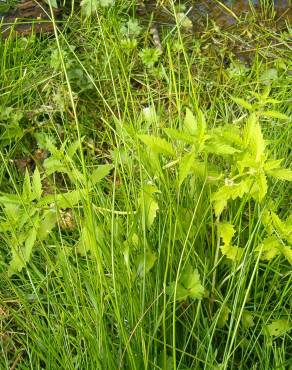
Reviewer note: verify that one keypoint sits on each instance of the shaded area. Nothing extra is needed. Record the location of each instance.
(28, 16)
(227, 13)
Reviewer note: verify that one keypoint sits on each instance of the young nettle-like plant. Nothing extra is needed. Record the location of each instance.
(10, 128)
(24, 223)
(241, 172)
(278, 238)
(30, 215)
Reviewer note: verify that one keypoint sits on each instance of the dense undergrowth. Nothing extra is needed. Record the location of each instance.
(144, 197)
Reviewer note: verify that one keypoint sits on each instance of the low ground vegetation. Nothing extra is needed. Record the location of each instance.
(144, 195)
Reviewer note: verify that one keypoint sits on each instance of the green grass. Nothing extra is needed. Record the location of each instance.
(107, 288)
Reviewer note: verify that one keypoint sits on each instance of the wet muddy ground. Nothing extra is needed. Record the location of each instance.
(228, 13)
(28, 14)
(239, 27)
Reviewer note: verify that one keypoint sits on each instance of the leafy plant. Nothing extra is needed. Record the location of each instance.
(30, 216)
(248, 165)
(188, 286)
(90, 7)
(150, 56)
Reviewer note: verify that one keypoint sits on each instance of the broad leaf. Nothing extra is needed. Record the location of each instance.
(178, 135)
(47, 223)
(247, 320)
(216, 147)
(278, 327)
(189, 285)
(148, 204)
(226, 192)
(287, 252)
(90, 237)
(53, 165)
(85, 243)
(223, 316)
(249, 128)
(243, 103)
(145, 263)
(274, 114)
(37, 185)
(257, 143)
(262, 186)
(282, 228)
(157, 144)
(26, 188)
(226, 232)
(281, 173)
(99, 173)
(190, 126)
(269, 248)
(21, 254)
(231, 252)
(219, 206)
(185, 166)
(272, 164)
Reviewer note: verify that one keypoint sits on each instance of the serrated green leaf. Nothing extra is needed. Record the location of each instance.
(272, 164)
(37, 184)
(72, 149)
(179, 135)
(287, 252)
(148, 204)
(69, 199)
(216, 147)
(7, 199)
(231, 135)
(281, 173)
(181, 292)
(283, 229)
(248, 132)
(231, 252)
(53, 165)
(243, 103)
(226, 232)
(219, 206)
(269, 248)
(190, 126)
(278, 327)
(227, 192)
(157, 144)
(189, 285)
(99, 173)
(257, 143)
(190, 280)
(262, 186)
(274, 114)
(47, 223)
(26, 187)
(21, 255)
(185, 166)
